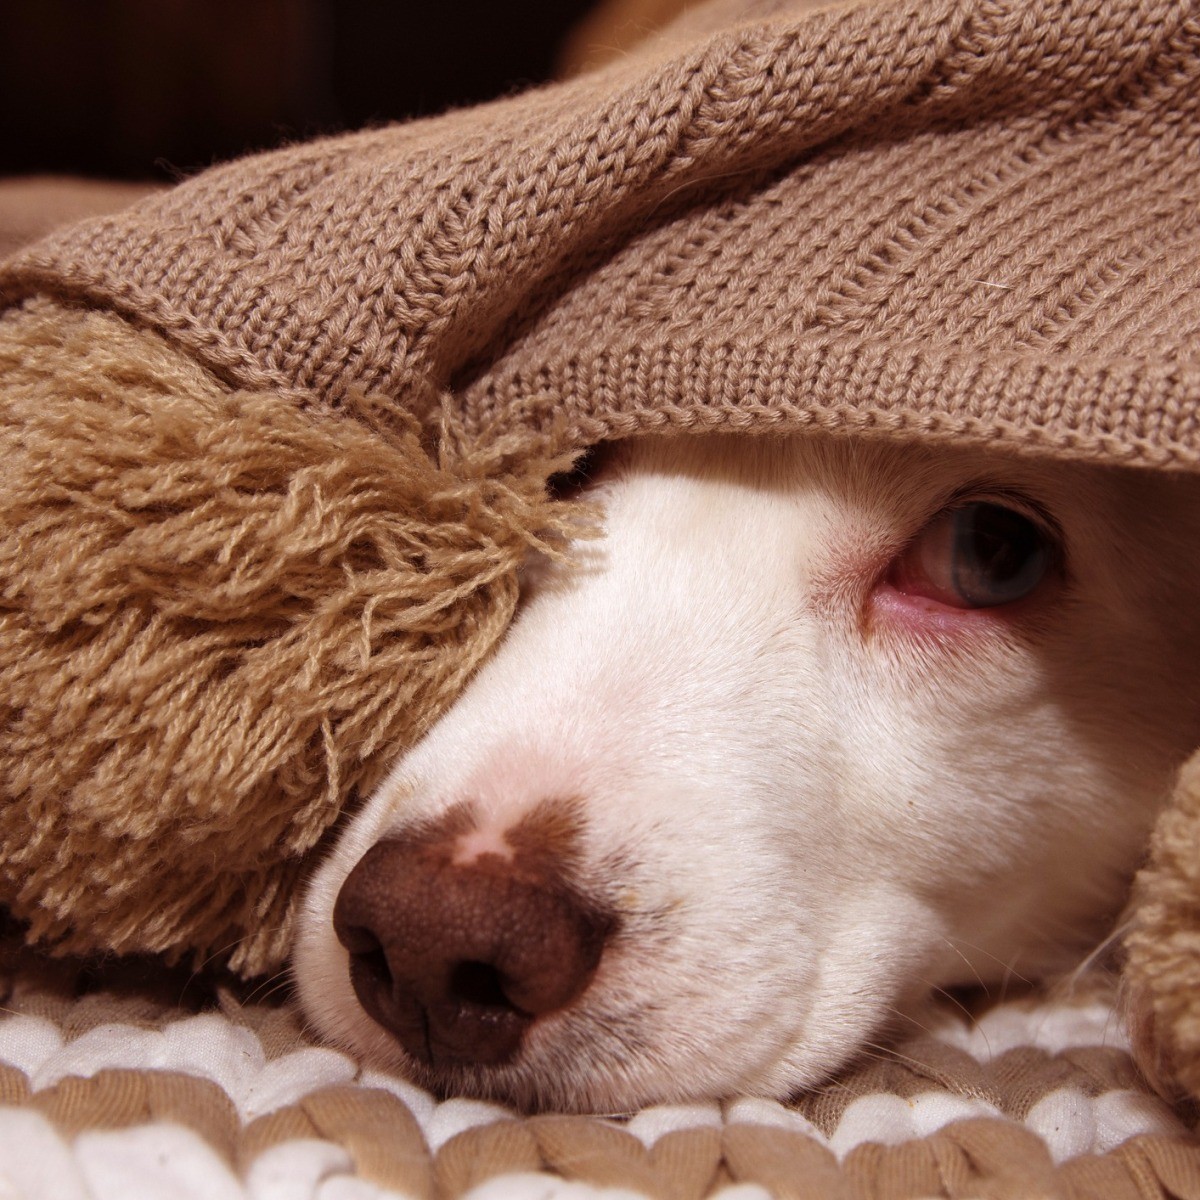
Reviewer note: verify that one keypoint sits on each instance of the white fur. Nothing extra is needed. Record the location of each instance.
(808, 805)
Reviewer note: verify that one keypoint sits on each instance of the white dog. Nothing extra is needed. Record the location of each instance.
(817, 726)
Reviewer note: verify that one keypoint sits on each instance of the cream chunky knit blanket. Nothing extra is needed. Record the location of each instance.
(107, 1095)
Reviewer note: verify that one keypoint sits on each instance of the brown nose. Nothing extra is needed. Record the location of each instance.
(458, 959)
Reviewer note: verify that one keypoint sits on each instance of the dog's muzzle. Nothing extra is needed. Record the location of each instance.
(457, 959)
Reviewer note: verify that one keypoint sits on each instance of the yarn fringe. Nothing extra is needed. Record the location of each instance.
(1161, 983)
(222, 616)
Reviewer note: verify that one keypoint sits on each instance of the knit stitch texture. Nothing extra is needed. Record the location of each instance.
(969, 219)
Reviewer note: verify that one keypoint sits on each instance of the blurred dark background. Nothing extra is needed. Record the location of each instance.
(153, 89)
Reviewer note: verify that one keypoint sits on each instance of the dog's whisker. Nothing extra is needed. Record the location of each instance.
(970, 965)
(973, 1021)
(1098, 953)
(220, 954)
(268, 987)
(887, 1053)
(907, 1016)
(1010, 970)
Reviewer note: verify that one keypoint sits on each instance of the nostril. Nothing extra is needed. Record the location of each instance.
(358, 938)
(366, 952)
(370, 974)
(373, 964)
(479, 983)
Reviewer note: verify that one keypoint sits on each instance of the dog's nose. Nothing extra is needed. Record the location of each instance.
(458, 959)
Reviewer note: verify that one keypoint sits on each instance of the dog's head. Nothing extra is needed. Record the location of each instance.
(815, 727)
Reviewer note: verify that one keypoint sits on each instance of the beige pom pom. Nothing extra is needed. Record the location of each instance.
(1162, 975)
(222, 615)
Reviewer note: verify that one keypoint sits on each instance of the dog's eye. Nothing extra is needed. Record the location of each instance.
(976, 555)
(566, 485)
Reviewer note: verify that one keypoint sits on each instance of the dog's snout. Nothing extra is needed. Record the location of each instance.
(458, 958)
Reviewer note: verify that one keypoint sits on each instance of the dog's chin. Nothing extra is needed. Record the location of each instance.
(597, 1078)
(608, 1063)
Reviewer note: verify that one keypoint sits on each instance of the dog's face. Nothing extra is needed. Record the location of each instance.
(816, 726)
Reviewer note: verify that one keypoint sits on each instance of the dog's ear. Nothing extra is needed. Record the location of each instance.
(1162, 971)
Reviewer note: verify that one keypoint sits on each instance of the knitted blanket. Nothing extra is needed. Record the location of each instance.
(109, 1093)
(963, 219)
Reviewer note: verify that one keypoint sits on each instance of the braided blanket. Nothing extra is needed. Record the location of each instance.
(114, 1092)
